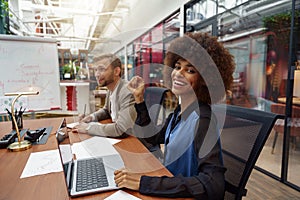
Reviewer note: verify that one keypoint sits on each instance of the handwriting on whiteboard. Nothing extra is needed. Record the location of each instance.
(30, 63)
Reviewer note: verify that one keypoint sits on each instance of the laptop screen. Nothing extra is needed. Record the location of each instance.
(67, 163)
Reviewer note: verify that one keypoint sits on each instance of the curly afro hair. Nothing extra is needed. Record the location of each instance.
(212, 60)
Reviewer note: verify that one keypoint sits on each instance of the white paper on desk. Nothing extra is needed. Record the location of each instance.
(120, 194)
(113, 141)
(94, 147)
(43, 162)
(72, 125)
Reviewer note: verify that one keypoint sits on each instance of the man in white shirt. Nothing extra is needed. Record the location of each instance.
(119, 102)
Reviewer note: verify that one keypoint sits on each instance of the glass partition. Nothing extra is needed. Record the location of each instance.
(257, 34)
(261, 52)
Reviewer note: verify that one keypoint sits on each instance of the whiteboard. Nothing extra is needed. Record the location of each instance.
(29, 64)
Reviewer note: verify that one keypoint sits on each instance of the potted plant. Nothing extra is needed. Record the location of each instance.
(4, 13)
(70, 70)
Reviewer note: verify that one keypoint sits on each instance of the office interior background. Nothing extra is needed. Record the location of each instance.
(262, 35)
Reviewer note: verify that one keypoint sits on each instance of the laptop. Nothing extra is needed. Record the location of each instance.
(90, 175)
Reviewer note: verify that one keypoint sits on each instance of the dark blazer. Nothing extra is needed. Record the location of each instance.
(209, 183)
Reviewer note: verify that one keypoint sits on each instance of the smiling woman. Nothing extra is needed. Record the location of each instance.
(192, 151)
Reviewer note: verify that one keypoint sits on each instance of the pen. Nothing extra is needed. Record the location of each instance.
(15, 113)
(7, 111)
(18, 122)
(84, 110)
(23, 110)
(20, 112)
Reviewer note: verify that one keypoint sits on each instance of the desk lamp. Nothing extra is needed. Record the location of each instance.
(19, 145)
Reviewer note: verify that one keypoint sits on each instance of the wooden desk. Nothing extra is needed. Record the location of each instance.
(135, 156)
(49, 186)
(52, 186)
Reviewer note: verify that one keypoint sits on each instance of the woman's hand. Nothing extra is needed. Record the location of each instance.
(125, 178)
(137, 88)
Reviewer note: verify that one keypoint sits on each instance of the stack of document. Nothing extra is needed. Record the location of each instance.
(94, 147)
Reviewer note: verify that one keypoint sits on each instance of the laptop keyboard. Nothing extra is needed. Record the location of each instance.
(90, 174)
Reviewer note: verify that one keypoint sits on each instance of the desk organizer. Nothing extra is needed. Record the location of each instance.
(43, 139)
(10, 138)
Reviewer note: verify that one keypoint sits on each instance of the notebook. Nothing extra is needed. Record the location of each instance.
(91, 175)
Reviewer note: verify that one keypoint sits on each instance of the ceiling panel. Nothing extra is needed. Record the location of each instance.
(76, 24)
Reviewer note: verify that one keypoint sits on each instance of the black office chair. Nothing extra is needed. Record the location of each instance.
(155, 102)
(279, 108)
(243, 136)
